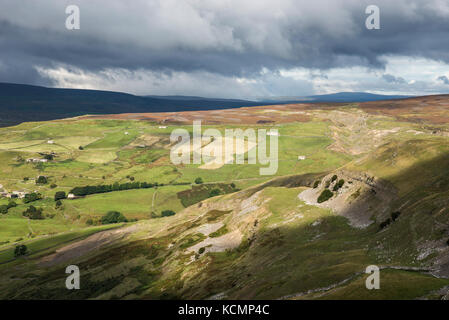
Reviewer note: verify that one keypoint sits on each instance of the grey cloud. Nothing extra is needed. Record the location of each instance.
(444, 79)
(232, 38)
(392, 79)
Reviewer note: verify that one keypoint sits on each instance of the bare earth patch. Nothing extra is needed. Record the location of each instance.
(80, 248)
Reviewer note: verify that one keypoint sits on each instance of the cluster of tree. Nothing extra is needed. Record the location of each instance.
(48, 156)
(33, 213)
(20, 250)
(167, 213)
(214, 193)
(87, 190)
(394, 216)
(30, 197)
(113, 217)
(338, 185)
(4, 208)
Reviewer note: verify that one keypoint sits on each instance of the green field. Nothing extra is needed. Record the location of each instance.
(255, 238)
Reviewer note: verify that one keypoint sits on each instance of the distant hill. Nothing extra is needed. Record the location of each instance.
(20, 103)
(336, 97)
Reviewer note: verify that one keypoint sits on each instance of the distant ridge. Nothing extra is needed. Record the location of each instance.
(21, 102)
(338, 97)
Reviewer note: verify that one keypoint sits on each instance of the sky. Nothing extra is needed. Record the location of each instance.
(227, 48)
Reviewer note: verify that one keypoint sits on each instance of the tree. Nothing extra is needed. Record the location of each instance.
(316, 184)
(80, 148)
(60, 195)
(53, 185)
(334, 177)
(20, 250)
(167, 213)
(41, 180)
(325, 195)
(58, 204)
(49, 157)
(113, 217)
(199, 180)
(4, 209)
(11, 204)
(214, 193)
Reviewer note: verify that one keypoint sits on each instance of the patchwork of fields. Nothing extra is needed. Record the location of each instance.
(235, 233)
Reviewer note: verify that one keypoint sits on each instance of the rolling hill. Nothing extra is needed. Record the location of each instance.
(381, 166)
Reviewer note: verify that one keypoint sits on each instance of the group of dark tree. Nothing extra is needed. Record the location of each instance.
(394, 216)
(167, 213)
(327, 194)
(87, 190)
(214, 193)
(4, 208)
(30, 197)
(338, 185)
(113, 217)
(20, 250)
(33, 213)
(48, 156)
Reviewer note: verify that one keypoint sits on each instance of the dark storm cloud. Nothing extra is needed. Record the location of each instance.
(231, 38)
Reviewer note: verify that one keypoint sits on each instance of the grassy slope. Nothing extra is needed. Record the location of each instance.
(284, 259)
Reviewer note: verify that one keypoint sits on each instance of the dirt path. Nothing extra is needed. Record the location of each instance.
(152, 202)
